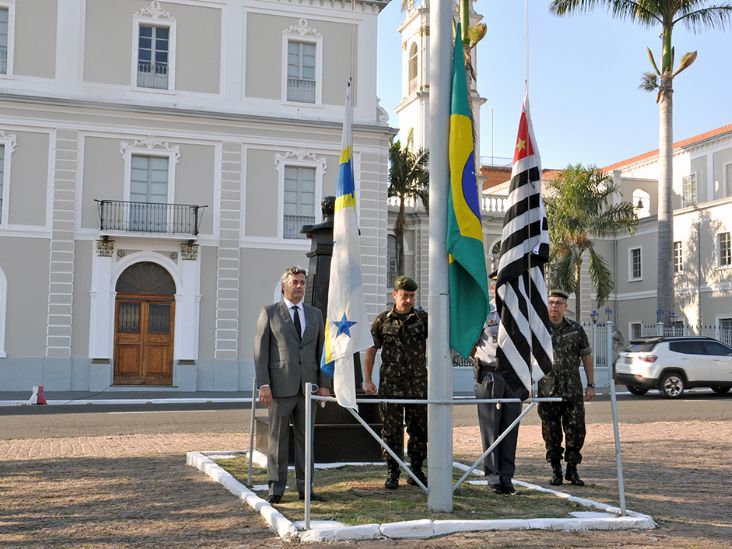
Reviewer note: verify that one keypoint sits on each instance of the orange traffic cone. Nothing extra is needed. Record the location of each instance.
(41, 396)
(37, 398)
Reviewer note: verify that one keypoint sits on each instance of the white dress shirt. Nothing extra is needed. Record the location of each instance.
(300, 312)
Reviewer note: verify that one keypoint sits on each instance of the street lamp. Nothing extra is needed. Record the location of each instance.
(594, 316)
(659, 314)
(672, 316)
(608, 312)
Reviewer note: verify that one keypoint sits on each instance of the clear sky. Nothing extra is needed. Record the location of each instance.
(584, 73)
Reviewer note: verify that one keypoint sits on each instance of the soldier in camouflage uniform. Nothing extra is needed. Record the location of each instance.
(570, 346)
(401, 334)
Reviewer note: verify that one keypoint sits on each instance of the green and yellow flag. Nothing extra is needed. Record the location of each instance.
(467, 276)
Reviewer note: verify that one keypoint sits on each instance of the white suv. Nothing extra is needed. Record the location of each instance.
(673, 364)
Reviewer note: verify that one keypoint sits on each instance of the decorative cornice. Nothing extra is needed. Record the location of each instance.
(150, 144)
(302, 28)
(301, 156)
(9, 140)
(154, 11)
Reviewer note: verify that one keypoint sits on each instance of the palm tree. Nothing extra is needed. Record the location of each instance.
(696, 15)
(578, 209)
(408, 180)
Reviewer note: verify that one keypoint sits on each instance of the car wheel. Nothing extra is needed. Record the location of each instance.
(672, 385)
(640, 391)
(721, 390)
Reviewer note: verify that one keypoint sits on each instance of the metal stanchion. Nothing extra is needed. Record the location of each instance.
(251, 430)
(616, 428)
(308, 449)
(503, 435)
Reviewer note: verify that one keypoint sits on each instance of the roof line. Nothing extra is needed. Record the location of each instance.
(683, 143)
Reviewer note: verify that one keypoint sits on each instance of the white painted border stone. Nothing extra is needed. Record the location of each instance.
(606, 518)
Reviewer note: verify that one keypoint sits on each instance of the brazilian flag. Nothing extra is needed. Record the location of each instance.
(467, 275)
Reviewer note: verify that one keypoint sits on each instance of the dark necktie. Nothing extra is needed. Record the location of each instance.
(296, 320)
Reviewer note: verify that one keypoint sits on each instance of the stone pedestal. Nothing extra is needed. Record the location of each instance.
(338, 437)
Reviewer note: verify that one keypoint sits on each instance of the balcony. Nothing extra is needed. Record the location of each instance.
(118, 216)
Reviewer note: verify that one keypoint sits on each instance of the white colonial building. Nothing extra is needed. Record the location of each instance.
(157, 162)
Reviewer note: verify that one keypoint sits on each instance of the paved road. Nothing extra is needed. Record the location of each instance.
(69, 421)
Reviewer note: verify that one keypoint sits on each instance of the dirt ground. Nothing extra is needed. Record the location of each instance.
(136, 491)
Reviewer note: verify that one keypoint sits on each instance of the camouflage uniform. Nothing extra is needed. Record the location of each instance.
(570, 343)
(402, 339)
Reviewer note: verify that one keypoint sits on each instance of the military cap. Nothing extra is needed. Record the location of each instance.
(559, 293)
(405, 283)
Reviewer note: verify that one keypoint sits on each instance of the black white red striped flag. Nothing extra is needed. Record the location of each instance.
(524, 341)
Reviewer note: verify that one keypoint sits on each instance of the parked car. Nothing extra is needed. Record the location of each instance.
(674, 364)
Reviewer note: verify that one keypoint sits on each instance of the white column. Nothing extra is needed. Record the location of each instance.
(187, 310)
(101, 307)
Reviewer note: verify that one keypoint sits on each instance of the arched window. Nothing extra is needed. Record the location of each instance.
(146, 278)
(413, 68)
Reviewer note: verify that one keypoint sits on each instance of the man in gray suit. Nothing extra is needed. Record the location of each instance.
(287, 350)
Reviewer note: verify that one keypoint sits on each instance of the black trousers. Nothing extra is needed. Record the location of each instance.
(493, 420)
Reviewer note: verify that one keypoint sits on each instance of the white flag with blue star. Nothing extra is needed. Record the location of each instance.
(347, 329)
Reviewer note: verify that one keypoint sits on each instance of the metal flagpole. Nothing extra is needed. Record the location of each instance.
(251, 430)
(439, 362)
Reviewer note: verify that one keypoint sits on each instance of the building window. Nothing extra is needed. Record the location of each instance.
(302, 51)
(728, 179)
(634, 266)
(153, 54)
(153, 61)
(413, 68)
(678, 258)
(725, 257)
(689, 189)
(724, 327)
(149, 194)
(7, 36)
(642, 203)
(299, 206)
(301, 72)
(4, 16)
(635, 329)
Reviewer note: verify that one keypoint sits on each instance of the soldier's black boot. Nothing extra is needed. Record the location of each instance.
(392, 478)
(419, 474)
(557, 473)
(573, 476)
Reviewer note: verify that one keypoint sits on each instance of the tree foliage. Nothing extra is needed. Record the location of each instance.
(408, 181)
(696, 15)
(580, 207)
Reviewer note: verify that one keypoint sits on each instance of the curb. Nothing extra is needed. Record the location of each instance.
(606, 517)
(117, 401)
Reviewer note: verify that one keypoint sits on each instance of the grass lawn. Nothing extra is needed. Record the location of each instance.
(356, 495)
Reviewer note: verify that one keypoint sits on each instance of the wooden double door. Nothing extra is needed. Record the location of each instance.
(143, 339)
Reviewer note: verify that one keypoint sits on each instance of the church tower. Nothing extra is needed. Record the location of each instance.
(413, 109)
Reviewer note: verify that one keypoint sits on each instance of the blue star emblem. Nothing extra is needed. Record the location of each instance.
(344, 326)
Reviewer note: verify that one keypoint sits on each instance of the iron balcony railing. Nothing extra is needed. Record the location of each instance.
(149, 217)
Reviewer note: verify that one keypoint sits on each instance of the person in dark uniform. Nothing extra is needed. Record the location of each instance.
(401, 334)
(492, 381)
(566, 419)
